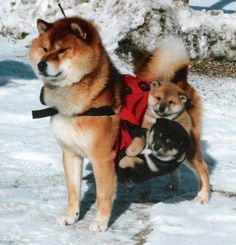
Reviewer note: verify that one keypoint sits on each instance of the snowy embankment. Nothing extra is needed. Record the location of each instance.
(125, 24)
(32, 185)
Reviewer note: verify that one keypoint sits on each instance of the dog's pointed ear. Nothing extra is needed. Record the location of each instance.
(184, 98)
(181, 76)
(78, 31)
(155, 83)
(43, 26)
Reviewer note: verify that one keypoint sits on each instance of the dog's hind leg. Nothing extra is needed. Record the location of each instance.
(196, 163)
(73, 166)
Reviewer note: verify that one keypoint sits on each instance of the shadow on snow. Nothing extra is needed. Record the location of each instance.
(11, 69)
(219, 5)
(147, 192)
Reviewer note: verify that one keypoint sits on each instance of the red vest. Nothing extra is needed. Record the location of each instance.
(133, 107)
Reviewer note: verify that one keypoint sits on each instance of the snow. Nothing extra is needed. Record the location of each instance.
(32, 186)
(193, 224)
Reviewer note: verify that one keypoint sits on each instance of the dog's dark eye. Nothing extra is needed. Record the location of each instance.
(45, 49)
(171, 102)
(158, 98)
(62, 50)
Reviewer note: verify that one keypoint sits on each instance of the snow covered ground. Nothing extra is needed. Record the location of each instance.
(32, 185)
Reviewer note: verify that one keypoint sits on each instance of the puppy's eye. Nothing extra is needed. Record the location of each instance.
(62, 50)
(45, 49)
(158, 98)
(171, 102)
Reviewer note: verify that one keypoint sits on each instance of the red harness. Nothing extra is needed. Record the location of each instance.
(133, 108)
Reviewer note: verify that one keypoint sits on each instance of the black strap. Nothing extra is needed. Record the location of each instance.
(48, 112)
(101, 111)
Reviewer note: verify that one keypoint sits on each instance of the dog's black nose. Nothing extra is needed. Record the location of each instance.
(42, 66)
(162, 107)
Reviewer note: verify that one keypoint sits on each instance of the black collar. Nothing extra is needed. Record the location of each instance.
(100, 111)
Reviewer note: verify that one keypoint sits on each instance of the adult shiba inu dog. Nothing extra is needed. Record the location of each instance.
(169, 63)
(79, 77)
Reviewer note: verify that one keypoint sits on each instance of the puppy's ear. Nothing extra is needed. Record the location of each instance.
(155, 83)
(184, 98)
(78, 31)
(43, 26)
(181, 76)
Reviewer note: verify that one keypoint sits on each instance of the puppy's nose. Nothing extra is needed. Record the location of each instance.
(42, 66)
(162, 107)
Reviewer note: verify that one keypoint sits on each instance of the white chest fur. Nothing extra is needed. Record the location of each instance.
(67, 132)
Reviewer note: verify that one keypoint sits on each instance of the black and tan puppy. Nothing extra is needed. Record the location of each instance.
(164, 150)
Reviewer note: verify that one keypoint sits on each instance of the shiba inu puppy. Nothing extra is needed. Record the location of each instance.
(79, 78)
(167, 100)
(163, 149)
(169, 63)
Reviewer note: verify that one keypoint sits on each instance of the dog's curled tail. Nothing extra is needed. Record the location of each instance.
(164, 63)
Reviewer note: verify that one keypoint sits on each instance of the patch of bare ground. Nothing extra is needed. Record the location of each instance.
(213, 67)
(141, 237)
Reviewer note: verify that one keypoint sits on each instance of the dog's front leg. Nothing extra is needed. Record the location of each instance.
(73, 166)
(104, 171)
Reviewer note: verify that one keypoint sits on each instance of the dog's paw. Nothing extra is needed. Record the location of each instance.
(201, 198)
(131, 152)
(67, 219)
(135, 147)
(126, 162)
(98, 226)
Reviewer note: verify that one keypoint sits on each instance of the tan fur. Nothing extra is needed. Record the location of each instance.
(136, 146)
(130, 162)
(162, 67)
(88, 81)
